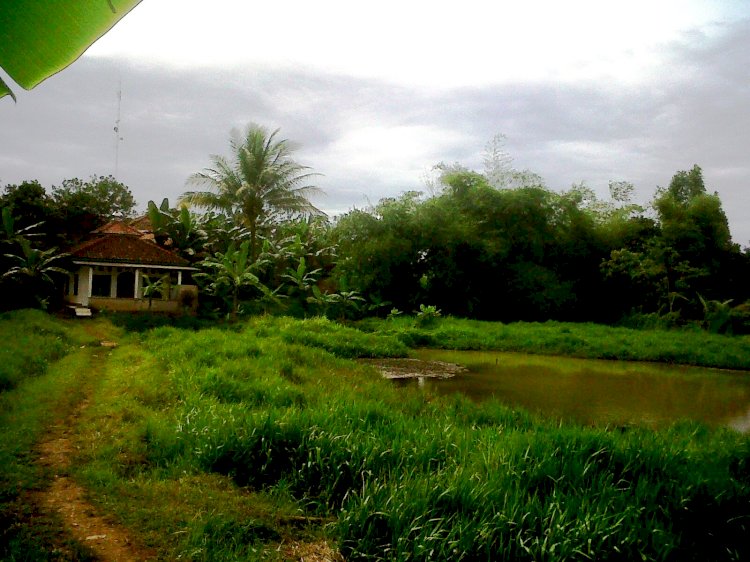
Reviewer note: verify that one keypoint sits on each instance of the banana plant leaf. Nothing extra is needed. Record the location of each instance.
(42, 38)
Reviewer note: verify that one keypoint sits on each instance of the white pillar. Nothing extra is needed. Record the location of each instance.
(113, 283)
(136, 294)
(179, 277)
(85, 294)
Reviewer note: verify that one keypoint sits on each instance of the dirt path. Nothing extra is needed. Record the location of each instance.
(108, 541)
(66, 500)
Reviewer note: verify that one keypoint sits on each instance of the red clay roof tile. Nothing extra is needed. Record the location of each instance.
(142, 224)
(117, 227)
(125, 248)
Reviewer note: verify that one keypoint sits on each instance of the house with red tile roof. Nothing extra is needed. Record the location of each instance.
(113, 268)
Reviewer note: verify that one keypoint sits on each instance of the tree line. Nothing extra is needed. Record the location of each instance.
(497, 245)
(529, 253)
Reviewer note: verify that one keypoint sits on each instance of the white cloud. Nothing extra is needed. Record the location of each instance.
(436, 43)
(393, 147)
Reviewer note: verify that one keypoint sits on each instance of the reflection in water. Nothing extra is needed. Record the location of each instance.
(598, 392)
(741, 422)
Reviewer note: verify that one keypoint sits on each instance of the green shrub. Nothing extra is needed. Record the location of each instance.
(427, 315)
(338, 339)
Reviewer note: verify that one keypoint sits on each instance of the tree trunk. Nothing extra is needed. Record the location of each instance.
(234, 304)
(253, 241)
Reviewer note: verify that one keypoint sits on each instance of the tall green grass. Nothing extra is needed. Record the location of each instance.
(339, 340)
(593, 341)
(277, 409)
(170, 426)
(29, 341)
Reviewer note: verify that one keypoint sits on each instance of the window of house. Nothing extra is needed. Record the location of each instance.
(101, 285)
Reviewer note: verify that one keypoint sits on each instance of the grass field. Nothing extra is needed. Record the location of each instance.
(254, 442)
(593, 341)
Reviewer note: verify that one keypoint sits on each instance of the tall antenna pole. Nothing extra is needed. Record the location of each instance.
(118, 138)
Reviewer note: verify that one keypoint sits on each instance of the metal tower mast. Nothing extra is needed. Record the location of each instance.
(118, 138)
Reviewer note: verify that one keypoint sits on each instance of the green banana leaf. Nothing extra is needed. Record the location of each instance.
(40, 38)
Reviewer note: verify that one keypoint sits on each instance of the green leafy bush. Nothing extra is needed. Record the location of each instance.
(427, 316)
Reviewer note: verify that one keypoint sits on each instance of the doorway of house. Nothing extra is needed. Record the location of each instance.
(126, 285)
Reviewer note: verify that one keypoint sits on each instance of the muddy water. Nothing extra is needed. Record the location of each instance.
(597, 392)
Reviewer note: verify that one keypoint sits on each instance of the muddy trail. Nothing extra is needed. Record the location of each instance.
(65, 500)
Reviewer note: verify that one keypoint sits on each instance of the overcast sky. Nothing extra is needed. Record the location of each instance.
(375, 94)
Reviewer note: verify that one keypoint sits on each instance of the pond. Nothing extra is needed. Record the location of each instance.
(593, 391)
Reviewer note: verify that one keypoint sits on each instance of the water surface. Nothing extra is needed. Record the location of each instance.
(598, 392)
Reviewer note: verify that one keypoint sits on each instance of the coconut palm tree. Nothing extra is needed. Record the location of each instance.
(260, 184)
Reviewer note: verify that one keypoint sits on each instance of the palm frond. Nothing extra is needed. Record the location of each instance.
(259, 183)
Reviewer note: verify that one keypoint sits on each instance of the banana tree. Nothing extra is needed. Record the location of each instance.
(12, 234)
(301, 278)
(717, 315)
(32, 269)
(153, 288)
(339, 305)
(180, 229)
(232, 271)
(42, 38)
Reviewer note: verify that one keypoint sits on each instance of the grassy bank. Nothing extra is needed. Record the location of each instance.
(234, 445)
(40, 360)
(592, 341)
(30, 340)
(33, 394)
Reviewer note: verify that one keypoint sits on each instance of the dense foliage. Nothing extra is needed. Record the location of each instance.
(493, 246)
(37, 224)
(71, 210)
(533, 254)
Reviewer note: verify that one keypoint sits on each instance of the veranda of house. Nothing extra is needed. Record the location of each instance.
(123, 287)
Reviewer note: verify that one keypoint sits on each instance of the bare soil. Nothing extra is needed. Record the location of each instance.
(311, 552)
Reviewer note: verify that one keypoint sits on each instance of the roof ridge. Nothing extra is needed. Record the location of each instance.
(117, 226)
